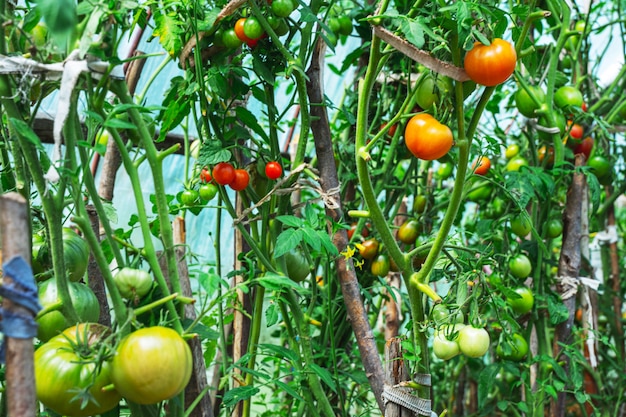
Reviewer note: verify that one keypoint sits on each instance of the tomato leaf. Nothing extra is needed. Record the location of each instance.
(291, 221)
(272, 314)
(485, 382)
(235, 395)
(275, 282)
(413, 32)
(286, 241)
(25, 132)
(169, 30)
(558, 312)
(279, 352)
(251, 121)
(311, 238)
(212, 152)
(288, 389)
(324, 376)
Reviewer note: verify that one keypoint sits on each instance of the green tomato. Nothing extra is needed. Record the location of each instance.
(208, 192)
(480, 190)
(230, 39)
(520, 266)
(297, 265)
(511, 151)
(189, 197)
(282, 8)
(524, 303)
(427, 93)
(66, 364)
(568, 96)
(521, 226)
(554, 228)
(252, 28)
(516, 163)
(408, 231)
(54, 322)
(380, 265)
(445, 343)
(151, 365)
(345, 25)
(444, 171)
(473, 342)
(600, 166)
(419, 203)
(524, 102)
(513, 349)
(441, 315)
(133, 283)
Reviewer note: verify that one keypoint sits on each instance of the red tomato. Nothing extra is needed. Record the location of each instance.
(482, 165)
(239, 24)
(242, 178)
(273, 170)
(223, 173)
(205, 175)
(392, 129)
(576, 131)
(490, 65)
(426, 138)
(584, 147)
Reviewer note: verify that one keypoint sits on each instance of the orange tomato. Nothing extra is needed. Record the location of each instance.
(426, 138)
(490, 65)
(482, 165)
(239, 24)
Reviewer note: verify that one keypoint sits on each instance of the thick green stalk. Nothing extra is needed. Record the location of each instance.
(255, 333)
(119, 88)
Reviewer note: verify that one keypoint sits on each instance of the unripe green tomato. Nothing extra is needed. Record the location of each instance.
(133, 283)
(419, 203)
(524, 102)
(516, 163)
(513, 349)
(473, 341)
(554, 228)
(380, 265)
(427, 94)
(524, 303)
(568, 96)
(345, 25)
(444, 171)
(408, 232)
(520, 266)
(521, 226)
(207, 192)
(511, 151)
(297, 265)
(445, 343)
(441, 315)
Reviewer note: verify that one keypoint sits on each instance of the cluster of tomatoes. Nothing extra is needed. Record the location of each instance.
(249, 30)
(79, 373)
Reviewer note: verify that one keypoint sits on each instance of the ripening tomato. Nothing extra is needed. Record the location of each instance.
(473, 341)
(151, 365)
(223, 173)
(490, 65)
(368, 249)
(426, 138)
(511, 151)
(482, 165)
(205, 175)
(524, 303)
(584, 147)
(133, 283)
(239, 30)
(514, 348)
(273, 170)
(364, 231)
(241, 181)
(546, 153)
(516, 163)
(408, 231)
(576, 131)
(419, 203)
(380, 265)
(66, 364)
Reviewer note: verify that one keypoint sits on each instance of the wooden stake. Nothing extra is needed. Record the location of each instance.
(20, 370)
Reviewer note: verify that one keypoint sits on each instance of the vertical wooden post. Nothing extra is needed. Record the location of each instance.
(396, 371)
(20, 371)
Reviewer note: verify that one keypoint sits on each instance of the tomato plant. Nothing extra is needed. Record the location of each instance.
(70, 372)
(520, 266)
(54, 322)
(151, 365)
(490, 65)
(524, 303)
(473, 341)
(273, 170)
(223, 173)
(408, 231)
(241, 180)
(514, 348)
(133, 283)
(426, 138)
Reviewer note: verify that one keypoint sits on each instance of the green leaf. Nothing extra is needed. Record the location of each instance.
(235, 395)
(279, 351)
(286, 241)
(25, 132)
(115, 123)
(311, 238)
(212, 152)
(272, 315)
(324, 239)
(60, 17)
(550, 391)
(251, 121)
(413, 32)
(485, 382)
(169, 30)
(557, 310)
(291, 221)
(311, 216)
(275, 282)
(288, 389)
(324, 376)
